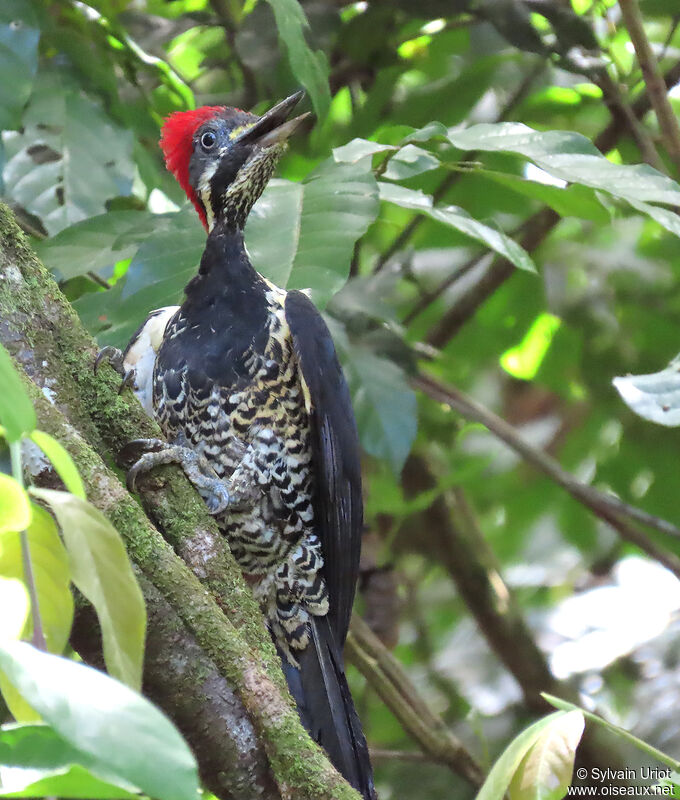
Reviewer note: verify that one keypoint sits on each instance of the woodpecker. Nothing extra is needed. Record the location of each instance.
(245, 383)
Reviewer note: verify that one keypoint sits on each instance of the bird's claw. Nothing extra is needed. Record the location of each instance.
(215, 495)
(152, 447)
(213, 491)
(113, 355)
(128, 380)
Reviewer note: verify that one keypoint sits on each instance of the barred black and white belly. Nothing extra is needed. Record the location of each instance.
(255, 436)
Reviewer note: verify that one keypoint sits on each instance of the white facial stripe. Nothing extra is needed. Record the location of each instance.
(204, 192)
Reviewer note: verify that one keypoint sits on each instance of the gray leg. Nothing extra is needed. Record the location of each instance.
(196, 467)
(115, 357)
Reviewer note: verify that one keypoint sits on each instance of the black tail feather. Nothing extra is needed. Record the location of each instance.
(320, 689)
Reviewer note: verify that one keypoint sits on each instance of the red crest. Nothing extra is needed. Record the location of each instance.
(177, 145)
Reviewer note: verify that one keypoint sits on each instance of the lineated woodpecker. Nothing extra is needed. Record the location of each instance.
(245, 383)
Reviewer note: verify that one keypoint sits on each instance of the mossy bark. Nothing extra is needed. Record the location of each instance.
(203, 602)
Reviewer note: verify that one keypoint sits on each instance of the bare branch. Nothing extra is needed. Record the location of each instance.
(388, 678)
(607, 507)
(656, 87)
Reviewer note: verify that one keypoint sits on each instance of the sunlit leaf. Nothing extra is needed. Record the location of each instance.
(70, 157)
(654, 397)
(571, 157)
(15, 509)
(51, 574)
(105, 720)
(569, 201)
(102, 572)
(545, 772)
(16, 410)
(460, 220)
(499, 778)
(410, 161)
(15, 606)
(357, 149)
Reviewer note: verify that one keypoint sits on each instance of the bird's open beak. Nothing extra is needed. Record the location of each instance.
(274, 127)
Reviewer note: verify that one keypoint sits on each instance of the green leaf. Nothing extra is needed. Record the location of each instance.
(570, 157)
(569, 201)
(14, 505)
(19, 36)
(160, 269)
(410, 161)
(104, 720)
(61, 461)
(36, 762)
(460, 220)
(621, 733)
(546, 770)
(302, 235)
(15, 605)
(51, 574)
(102, 572)
(354, 151)
(299, 235)
(309, 67)
(69, 159)
(96, 243)
(654, 397)
(16, 410)
(498, 780)
(384, 404)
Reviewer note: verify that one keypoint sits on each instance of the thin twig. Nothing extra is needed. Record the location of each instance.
(619, 107)
(607, 507)
(388, 678)
(656, 87)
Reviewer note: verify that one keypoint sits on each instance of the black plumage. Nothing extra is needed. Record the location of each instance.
(245, 382)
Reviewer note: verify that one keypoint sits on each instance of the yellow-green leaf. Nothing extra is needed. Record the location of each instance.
(16, 410)
(545, 771)
(15, 605)
(101, 570)
(51, 574)
(15, 508)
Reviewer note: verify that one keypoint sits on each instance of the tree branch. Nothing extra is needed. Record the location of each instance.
(656, 87)
(607, 507)
(389, 680)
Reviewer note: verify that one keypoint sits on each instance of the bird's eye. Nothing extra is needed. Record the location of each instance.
(208, 139)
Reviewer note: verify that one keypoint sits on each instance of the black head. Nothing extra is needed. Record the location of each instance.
(224, 157)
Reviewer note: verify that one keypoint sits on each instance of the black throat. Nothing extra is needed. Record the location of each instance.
(225, 311)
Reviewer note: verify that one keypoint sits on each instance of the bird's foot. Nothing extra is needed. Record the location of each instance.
(214, 491)
(115, 357)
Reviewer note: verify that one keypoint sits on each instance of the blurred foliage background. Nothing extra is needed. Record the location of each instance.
(442, 240)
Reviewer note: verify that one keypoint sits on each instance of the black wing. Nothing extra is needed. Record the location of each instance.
(338, 505)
